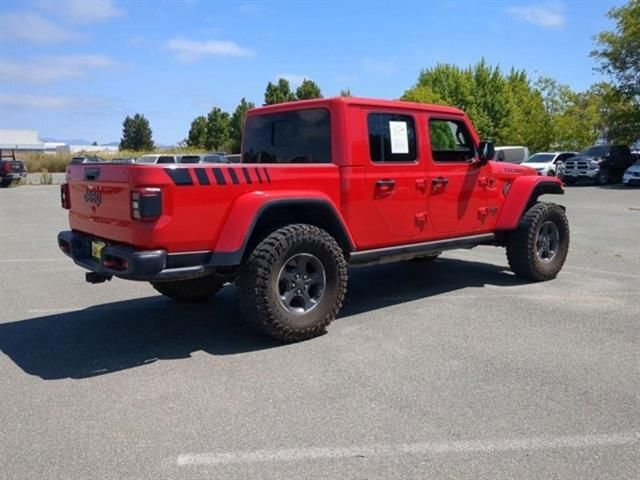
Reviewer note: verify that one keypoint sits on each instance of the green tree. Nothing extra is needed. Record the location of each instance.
(237, 124)
(278, 93)
(198, 132)
(619, 56)
(136, 134)
(345, 92)
(218, 130)
(308, 89)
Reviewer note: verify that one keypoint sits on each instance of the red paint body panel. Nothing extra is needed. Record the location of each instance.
(517, 198)
(214, 209)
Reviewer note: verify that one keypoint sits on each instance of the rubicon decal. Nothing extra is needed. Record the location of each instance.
(93, 197)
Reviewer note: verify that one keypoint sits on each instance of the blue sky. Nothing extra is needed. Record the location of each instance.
(75, 68)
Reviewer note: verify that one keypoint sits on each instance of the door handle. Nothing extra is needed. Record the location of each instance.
(439, 181)
(386, 184)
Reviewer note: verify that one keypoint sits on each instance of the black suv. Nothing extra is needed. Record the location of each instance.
(601, 163)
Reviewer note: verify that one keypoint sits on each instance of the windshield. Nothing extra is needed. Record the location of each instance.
(147, 159)
(301, 136)
(540, 158)
(599, 151)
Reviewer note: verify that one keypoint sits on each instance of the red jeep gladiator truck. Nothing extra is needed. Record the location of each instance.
(323, 184)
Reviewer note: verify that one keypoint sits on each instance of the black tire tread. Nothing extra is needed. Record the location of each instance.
(521, 248)
(254, 280)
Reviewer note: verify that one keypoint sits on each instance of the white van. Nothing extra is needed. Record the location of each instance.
(511, 154)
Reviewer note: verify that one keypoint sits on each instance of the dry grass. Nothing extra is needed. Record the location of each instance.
(57, 162)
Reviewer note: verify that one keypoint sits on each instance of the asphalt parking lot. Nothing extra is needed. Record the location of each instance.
(451, 370)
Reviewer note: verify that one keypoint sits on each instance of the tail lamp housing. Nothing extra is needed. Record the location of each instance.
(65, 200)
(146, 204)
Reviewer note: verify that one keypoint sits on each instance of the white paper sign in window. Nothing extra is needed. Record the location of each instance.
(399, 137)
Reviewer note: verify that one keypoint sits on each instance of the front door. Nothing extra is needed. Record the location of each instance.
(396, 174)
(458, 203)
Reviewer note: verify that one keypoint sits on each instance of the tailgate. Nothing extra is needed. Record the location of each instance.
(100, 197)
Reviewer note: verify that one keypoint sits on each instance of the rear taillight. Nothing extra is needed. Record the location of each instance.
(6, 167)
(146, 204)
(64, 196)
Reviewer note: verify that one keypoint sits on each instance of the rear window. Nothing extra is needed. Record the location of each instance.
(392, 137)
(301, 136)
(190, 159)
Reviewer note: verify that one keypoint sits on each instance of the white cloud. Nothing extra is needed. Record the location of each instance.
(33, 28)
(51, 69)
(293, 78)
(84, 105)
(22, 102)
(547, 15)
(191, 50)
(83, 11)
(379, 66)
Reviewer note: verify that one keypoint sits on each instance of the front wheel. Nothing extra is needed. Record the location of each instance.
(293, 283)
(192, 290)
(538, 248)
(603, 177)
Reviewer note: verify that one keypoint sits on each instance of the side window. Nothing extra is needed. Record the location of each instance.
(450, 141)
(166, 160)
(392, 138)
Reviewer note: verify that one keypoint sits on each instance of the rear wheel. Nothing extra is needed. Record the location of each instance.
(192, 290)
(538, 248)
(293, 283)
(5, 182)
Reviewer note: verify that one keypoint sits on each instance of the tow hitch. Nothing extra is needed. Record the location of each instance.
(93, 277)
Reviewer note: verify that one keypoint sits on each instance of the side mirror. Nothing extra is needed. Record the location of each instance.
(486, 152)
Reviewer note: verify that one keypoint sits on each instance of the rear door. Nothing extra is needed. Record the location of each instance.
(458, 190)
(395, 178)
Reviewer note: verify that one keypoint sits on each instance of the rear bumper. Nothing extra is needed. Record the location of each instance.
(126, 262)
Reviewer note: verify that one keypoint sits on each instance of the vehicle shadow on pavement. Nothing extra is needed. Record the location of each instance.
(121, 335)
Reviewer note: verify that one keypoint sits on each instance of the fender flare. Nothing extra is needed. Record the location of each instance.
(523, 192)
(249, 208)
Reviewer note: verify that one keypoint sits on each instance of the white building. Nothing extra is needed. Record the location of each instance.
(21, 140)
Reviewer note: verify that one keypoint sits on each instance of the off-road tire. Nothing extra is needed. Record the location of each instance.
(4, 183)
(260, 276)
(522, 248)
(192, 290)
(603, 177)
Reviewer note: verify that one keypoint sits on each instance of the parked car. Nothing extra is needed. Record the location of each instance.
(632, 174)
(600, 163)
(156, 159)
(323, 183)
(86, 159)
(234, 157)
(550, 164)
(123, 160)
(512, 154)
(203, 158)
(11, 169)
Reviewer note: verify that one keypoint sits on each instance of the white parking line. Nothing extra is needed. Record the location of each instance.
(425, 448)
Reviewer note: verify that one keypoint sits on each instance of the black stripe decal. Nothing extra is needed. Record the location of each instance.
(201, 173)
(234, 177)
(266, 174)
(247, 177)
(180, 176)
(257, 170)
(220, 180)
